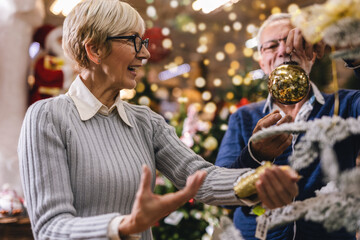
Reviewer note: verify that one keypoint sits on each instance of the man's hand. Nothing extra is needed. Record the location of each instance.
(271, 147)
(149, 207)
(277, 186)
(296, 43)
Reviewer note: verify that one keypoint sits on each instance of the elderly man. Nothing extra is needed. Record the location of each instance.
(277, 39)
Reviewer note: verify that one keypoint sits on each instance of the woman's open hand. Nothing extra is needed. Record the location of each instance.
(149, 207)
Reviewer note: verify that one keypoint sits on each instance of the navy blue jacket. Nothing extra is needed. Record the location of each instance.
(233, 153)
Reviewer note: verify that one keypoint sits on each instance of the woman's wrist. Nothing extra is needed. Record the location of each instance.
(126, 229)
(125, 226)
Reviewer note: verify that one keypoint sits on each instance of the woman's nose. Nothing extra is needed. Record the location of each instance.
(144, 53)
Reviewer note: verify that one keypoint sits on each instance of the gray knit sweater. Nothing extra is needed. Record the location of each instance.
(78, 175)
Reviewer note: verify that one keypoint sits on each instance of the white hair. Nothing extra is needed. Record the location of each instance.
(272, 18)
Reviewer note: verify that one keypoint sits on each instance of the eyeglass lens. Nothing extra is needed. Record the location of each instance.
(139, 42)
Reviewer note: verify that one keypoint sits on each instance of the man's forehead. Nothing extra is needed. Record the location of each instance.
(277, 27)
(284, 21)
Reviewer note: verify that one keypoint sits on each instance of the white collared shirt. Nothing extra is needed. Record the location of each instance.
(88, 105)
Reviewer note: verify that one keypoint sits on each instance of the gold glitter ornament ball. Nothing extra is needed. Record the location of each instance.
(288, 84)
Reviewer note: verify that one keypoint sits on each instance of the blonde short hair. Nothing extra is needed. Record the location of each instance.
(92, 21)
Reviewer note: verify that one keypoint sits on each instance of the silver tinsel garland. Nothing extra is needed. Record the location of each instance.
(345, 33)
(336, 205)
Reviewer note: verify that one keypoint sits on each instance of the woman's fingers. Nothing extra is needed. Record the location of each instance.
(145, 182)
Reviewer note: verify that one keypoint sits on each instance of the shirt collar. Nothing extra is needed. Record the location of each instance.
(88, 105)
(315, 92)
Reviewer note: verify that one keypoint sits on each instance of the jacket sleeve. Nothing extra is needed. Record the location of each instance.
(233, 152)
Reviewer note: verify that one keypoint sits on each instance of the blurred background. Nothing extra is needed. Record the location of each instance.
(203, 66)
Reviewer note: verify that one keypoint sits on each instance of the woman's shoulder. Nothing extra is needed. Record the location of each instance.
(61, 104)
(143, 114)
(138, 110)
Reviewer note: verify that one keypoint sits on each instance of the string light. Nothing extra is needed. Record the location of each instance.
(200, 82)
(220, 56)
(210, 107)
(206, 62)
(143, 100)
(202, 26)
(209, 6)
(248, 52)
(151, 12)
(275, 10)
(140, 87)
(165, 31)
(232, 109)
(167, 43)
(63, 6)
(237, 26)
(231, 72)
(230, 95)
(217, 82)
(226, 28)
(206, 95)
(237, 80)
(154, 87)
(293, 8)
(230, 48)
(232, 16)
(174, 4)
(235, 65)
(127, 94)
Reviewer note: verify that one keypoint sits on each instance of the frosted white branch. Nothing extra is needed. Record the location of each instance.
(230, 232)
(319, 138)
(332, 207)
(337, 204)
(343, 33)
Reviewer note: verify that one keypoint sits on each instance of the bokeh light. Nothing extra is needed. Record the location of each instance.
(230, 48)
(200, 82)
(220, 56)
(237, 80)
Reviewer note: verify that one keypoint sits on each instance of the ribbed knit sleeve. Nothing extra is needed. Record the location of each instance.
(177, 161)
(45, 176)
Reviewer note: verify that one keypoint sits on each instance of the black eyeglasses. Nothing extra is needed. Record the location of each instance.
(138, 42)
(272, 45)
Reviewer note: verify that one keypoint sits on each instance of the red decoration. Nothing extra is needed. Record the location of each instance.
(41, 34)
(46, 78)
(243, 101)
(48, 81)
(156, 49)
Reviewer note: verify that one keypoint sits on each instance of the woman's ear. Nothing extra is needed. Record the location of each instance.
(93, 53)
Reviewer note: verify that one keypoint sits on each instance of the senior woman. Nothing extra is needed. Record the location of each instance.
(82, 154)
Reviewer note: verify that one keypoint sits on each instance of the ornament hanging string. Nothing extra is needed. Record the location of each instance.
(335, 85)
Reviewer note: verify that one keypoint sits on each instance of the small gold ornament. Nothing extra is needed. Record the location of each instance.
(245, 186)
(288, 84)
